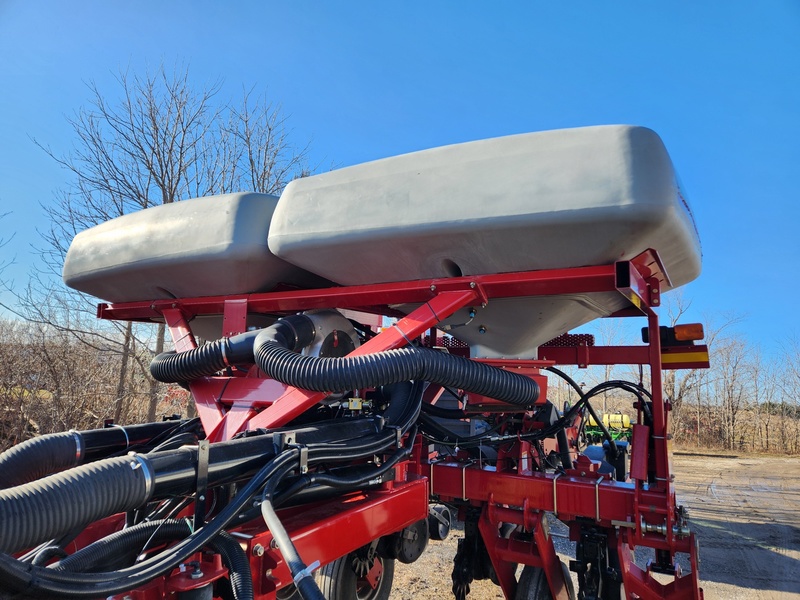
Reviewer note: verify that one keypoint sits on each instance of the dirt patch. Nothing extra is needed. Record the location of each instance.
(745, 510)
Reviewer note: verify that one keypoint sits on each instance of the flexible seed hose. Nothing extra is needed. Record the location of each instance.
(274, 350)
(36, 512)
(393, 366)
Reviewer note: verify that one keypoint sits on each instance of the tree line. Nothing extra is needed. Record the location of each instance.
(155, 139)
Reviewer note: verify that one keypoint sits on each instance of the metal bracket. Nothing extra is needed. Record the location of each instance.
(283, 440)
(555, 494)
(303, 457)
(288, 439)
(398, 434)
(202, 484)
(464, 479)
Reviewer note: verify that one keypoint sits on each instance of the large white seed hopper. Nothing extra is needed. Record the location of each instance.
(549, 200)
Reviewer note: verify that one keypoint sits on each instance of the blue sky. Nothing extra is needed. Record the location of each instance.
(719, 81)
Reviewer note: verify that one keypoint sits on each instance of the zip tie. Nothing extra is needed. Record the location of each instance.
(306, 572)
(403, 333)
(433, 311)
(127, 439)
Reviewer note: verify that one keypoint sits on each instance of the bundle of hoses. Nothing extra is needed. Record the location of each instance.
(41, 510)
(274, 350)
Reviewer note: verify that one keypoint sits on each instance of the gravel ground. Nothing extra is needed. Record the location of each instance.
(745, 511)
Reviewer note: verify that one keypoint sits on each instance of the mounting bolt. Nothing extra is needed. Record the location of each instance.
(482, 329)
(258, 550)
(433, 288)
(473, 285)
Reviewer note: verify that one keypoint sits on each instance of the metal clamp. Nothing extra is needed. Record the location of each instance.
(555, 494)
(398, 434)
(597, 498)
(202, 483)
(303, 457)
(464, 479)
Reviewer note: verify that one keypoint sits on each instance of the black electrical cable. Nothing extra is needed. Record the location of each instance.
(27, 578)
(301, 574)
(444, 413)
(98, 584)
(429, 426)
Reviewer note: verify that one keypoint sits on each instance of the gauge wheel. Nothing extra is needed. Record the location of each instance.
(440, 529)
(339, 581)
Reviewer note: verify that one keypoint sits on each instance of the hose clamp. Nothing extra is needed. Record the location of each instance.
(223, 350)
(79, 446)
(138, 462)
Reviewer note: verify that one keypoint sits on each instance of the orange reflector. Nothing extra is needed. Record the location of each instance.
(689, 332)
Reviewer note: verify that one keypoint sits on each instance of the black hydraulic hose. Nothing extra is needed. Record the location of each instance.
(36, 512)
(294, 332)
(585, 398)
(301, 574)
(31, 579)
(563, 448)
(23, 576)
(612, 445)
(393, 366)
(122, 544)
(444, 413)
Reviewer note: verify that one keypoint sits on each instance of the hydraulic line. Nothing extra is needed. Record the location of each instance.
(300, 572)
(27, 578)
(132, 540)
(168, 475)
(41, 510)
(443, 413)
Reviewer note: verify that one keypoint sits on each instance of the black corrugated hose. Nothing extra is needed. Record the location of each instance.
(294, 332)
(134, 539)
(393, 366)
(63, 584)
(43, 509)
(274, 350)
(38, 457)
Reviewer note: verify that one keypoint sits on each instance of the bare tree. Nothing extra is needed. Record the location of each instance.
(159, 139)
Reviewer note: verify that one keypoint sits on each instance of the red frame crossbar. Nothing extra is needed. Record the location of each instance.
(639, 512)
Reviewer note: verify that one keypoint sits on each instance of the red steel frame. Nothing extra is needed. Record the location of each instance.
(639, 512)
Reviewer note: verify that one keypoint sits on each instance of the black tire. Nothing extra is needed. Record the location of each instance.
(533, 584)
(338, 580)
